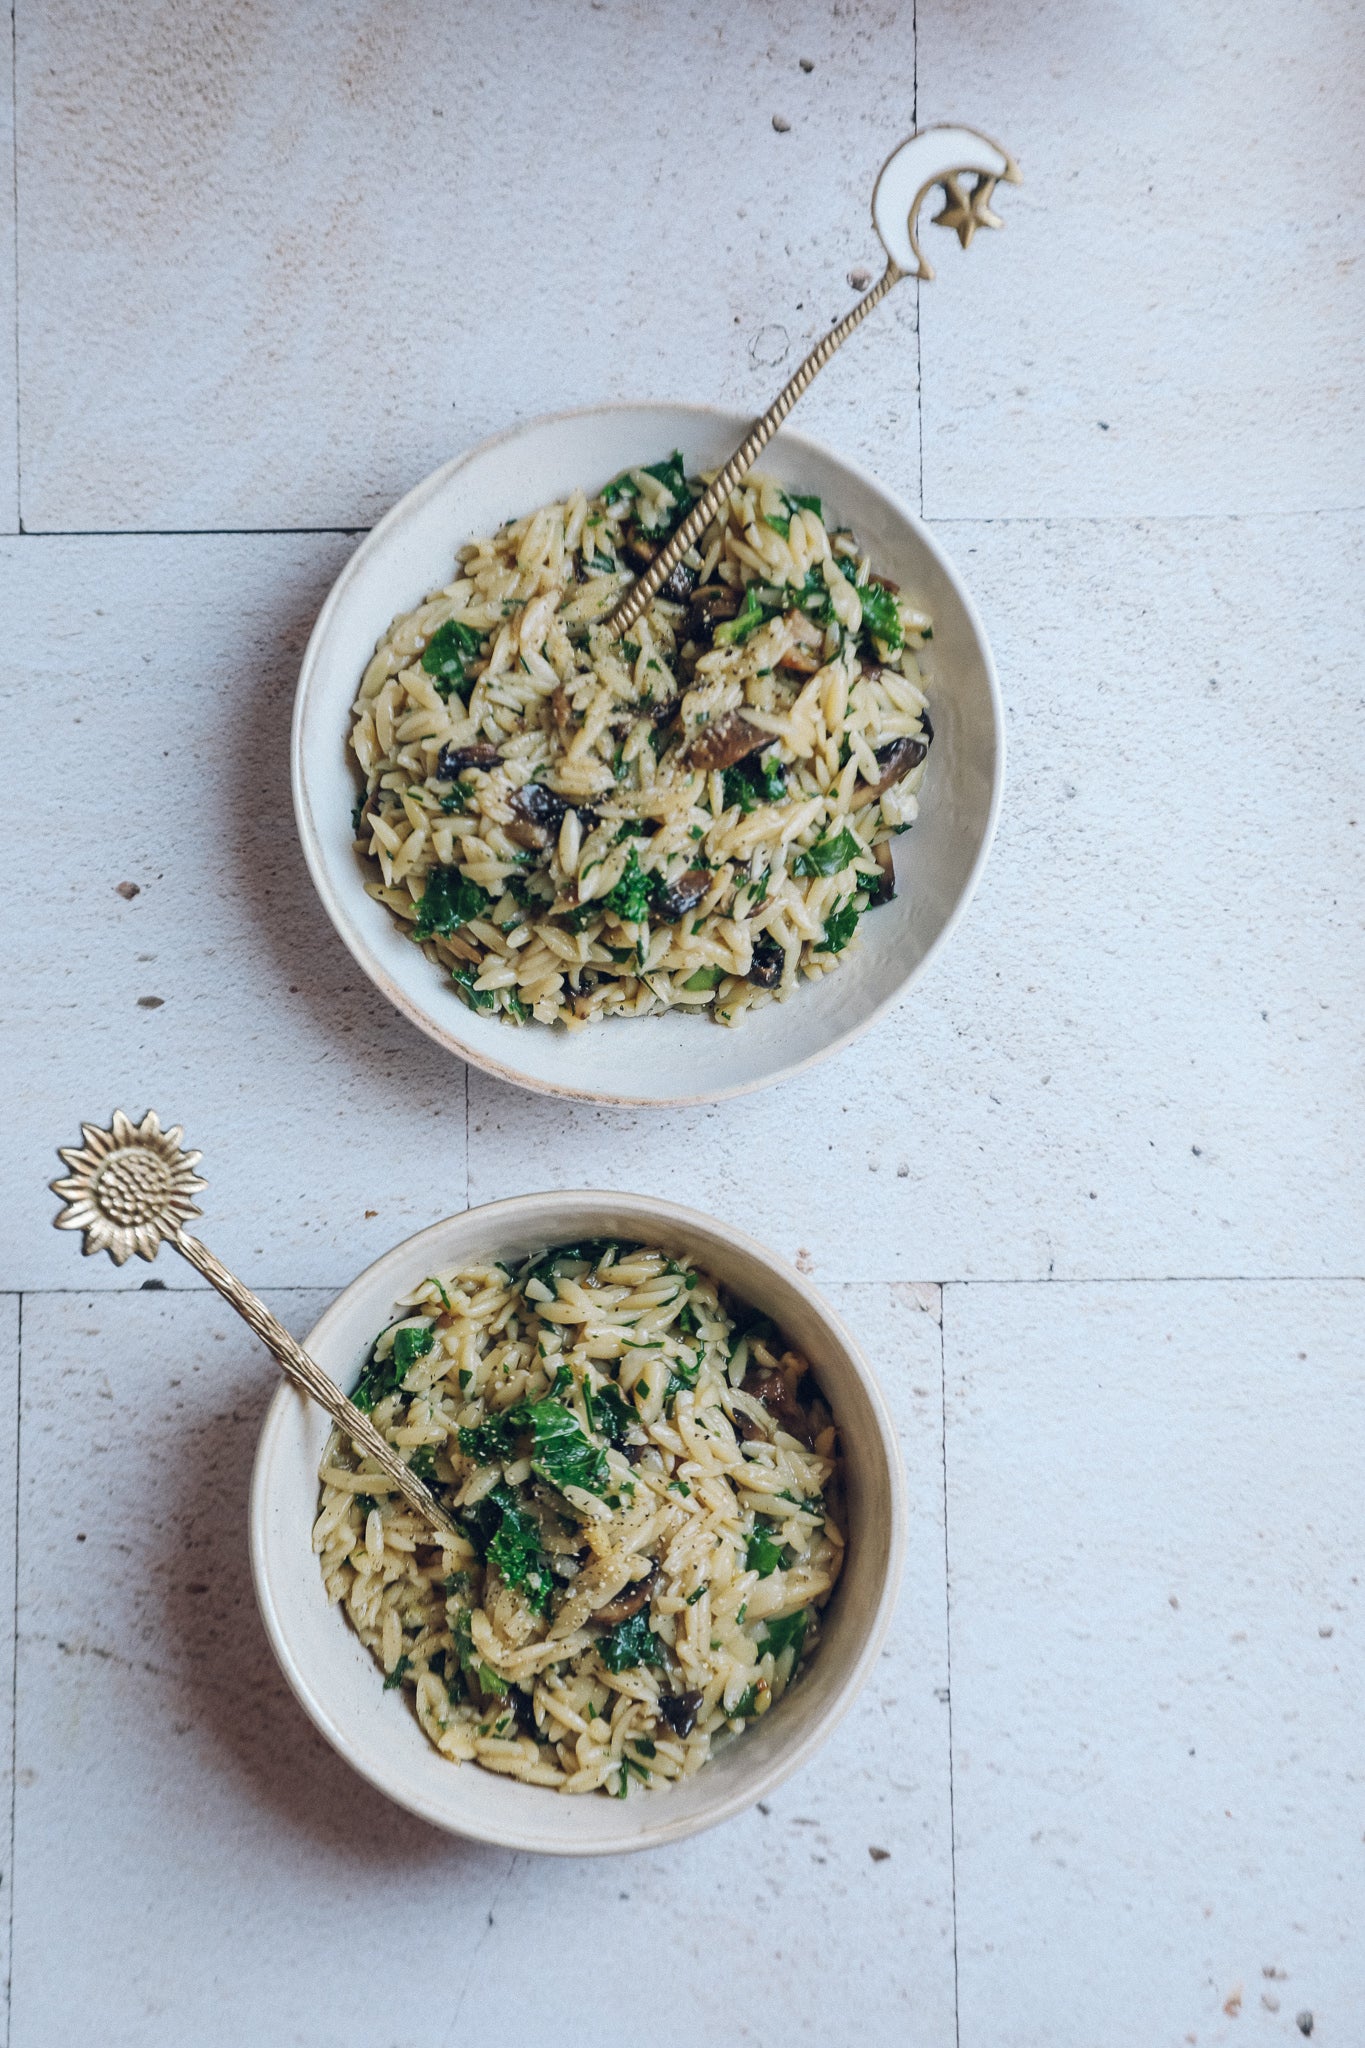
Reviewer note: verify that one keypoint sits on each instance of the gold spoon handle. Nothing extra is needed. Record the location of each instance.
(939, 156)
(643, 592)
(306, 1373)
(127, 1189)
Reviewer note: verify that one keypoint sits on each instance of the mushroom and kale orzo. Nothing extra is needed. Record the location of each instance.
(695, 815)
(647, 1483)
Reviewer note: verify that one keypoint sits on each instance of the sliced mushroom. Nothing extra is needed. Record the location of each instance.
(639, 550)
(884, 887)
(768, 962)
(628, 1601)
(886, 583)
(451, 760)
(746, 1429)
(537, 813)
(712, 603)
(664, 712)
(895, 763)
(427, 1555)
(680, 1710)
(524, 1710)
(685, 894)
(726, 740)
(777, 1391)
(806, 654)
(679, 584)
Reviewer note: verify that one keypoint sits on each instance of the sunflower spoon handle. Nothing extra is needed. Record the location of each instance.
(940, 156)
(128, 1190)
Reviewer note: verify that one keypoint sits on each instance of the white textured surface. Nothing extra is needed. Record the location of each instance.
(263, 285)
(1158, 1650)
(174, 1803)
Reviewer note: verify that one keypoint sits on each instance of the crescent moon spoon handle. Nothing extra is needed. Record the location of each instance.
(128, 1190)
(939, 156)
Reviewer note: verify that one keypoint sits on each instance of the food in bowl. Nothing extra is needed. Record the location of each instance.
(695, 816)
(648, 1484)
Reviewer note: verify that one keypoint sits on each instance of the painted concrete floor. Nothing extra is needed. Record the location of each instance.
(1091, 1197)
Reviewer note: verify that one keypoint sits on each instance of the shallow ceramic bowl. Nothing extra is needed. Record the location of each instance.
(674, 1058)
(335, 1677)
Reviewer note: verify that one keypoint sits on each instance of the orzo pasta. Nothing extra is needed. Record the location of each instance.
(647, 1481)
(696, 815)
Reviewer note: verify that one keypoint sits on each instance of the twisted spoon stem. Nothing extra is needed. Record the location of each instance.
(309, 1376)
(642, 593)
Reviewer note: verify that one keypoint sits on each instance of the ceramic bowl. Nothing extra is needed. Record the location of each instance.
(340, 1686)
(675, 1058)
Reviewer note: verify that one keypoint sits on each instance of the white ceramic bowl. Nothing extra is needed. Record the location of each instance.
(675, 1058)
(337, 1681)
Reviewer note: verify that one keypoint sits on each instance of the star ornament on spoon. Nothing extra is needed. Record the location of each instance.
(968, 211)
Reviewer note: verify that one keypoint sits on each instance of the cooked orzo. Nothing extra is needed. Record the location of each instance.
(647, 1482)
(696, 815)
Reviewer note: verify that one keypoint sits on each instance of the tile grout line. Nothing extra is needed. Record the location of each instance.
(948, 1641)
(14, 1677)
(826, 1280)
(919, 295)
(14, 218)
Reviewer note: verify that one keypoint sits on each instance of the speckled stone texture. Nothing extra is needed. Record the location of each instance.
(1090, 1197)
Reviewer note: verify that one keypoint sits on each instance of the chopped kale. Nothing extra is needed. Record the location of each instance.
(620, 487)
(704, 978)
(827, 856)
(493, 1439)
(763, 1555)
(385, 1376)
(399, 1671)
(789, 1632)
(449, 900)
(880, 615)
(445, 655)
(840, 926)
(759, 779)
(560, 1453)
(672, 474)
(630, 897)
(746, 1706)
(464, 979)
(610, 1414)
(752, 614)
(422, 1464)
(603, 564)
(510, 1539)
(630, 1643)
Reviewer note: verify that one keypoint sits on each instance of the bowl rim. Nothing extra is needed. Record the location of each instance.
(284, 1407)
(333, 900)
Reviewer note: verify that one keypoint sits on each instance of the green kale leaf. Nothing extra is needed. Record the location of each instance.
(630, 898)
(560, 1453)
(763, 1555)
(789, 1632)
(840, 926)
(630, 1643)
(827, 856)
(445, 654)
(449, 900)
(880, 615)
(385, 1376)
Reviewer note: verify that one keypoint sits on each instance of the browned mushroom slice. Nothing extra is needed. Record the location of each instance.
(664, 712)
(712, 603)
(884, 888)
(685, 894)
(806, 655)
(894, 762)
(628, 1601)
(680, 1710)
(726, 740)
(746, 1429)
(537, 813)
(886, 583)
(767, 963)
(427, 1555)
(777, 1391)
(452, 760)
(639, 550)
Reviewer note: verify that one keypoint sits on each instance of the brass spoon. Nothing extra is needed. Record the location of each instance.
(941, 155)
(129, 1189)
